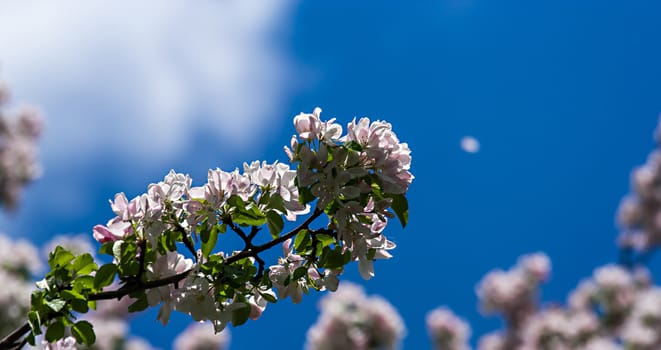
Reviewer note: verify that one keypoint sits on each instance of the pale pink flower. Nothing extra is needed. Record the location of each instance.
(135, 343)
(277, 178)
(513, 293)
(557, 328)
(68, 343)
(19, 256)
(201, 336)
(537, 265)
(283, 272)
(19, 134)
(167, 265)
(351, 320)
(308, 126)
(641, 328)
(389, 159)
(447, 331)
(196, 298)
(601, 343)
(115, 230)
(492, 341)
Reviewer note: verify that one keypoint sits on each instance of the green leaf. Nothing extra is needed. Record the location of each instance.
(300, 272)
(210, 243)
(305, 196)
(170, 240)
(55, 331)
(204, 234)
(30, 339)
(325, 239)
(83, 331)
(276, 202)
(236, 201)
(353, 145)
(269, 297)
(80, 305)
(275, 223)
(105, 276)
(240, 315)
(106, 248)
(84, 282)
(401, 207)
(34, 320)
(302, 240)
(60, 257)
(334, 258)
(140, 304)
(249, 216)
(56, 305)
(84, 264)
(37, 299)
(371, 254)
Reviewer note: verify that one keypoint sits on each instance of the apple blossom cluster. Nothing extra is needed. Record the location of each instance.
(19, 261)
(350, 175)
(349, 319)
(169, 246)
(200, 336)
(616, 308)
(513, 293)
(447, 331)
(19, 133)
(639, 214)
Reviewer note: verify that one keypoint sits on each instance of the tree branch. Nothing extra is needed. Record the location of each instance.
(12, 340)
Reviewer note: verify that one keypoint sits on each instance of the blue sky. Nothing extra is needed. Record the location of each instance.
(563, 97)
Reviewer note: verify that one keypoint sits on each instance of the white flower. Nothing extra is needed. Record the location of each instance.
(201, 336)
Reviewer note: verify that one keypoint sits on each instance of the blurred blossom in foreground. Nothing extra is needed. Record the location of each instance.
(77, 244)
(615, 309)
(639, 214)
(19, 260)
(201, 336)
(19, 257)
(135, 343)
(19, 132)
(68, 343)
(513, 293)
(447, 331)
(351, 320)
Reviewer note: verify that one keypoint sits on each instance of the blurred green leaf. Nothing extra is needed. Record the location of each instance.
(275, 223)
(240, 315)
(83, 331)
(401, 207)
(210, 243)
(55, 331)
(105, 276)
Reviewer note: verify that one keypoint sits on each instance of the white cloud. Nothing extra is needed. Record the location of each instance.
(137, 78)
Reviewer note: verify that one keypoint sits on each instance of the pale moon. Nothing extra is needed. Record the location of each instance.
(470, 144)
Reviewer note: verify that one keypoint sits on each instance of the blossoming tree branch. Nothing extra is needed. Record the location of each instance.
(165, 245)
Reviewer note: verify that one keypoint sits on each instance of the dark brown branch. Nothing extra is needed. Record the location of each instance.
(12, 340)
(260, 248)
